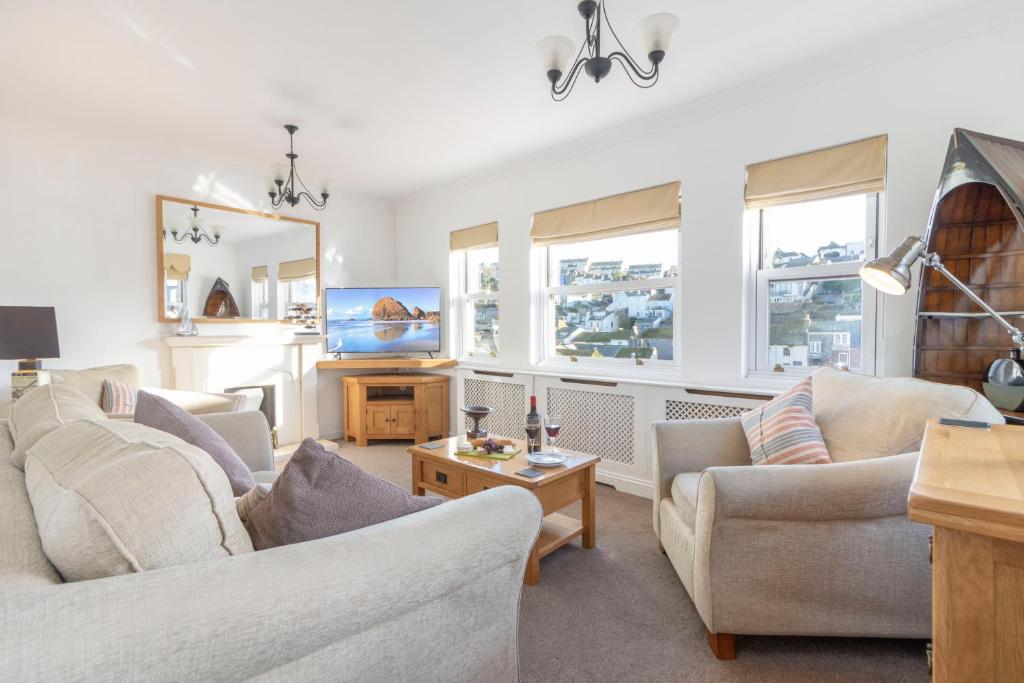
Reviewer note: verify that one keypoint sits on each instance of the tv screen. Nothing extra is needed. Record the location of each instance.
(383, 320)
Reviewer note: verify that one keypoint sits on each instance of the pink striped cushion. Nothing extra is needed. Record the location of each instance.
(783, 431)
(118, 398)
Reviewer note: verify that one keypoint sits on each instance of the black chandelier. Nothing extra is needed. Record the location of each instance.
(556, 51)
(287, 189)
(195, 231)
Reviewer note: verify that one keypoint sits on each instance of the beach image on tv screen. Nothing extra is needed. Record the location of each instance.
(384, 320)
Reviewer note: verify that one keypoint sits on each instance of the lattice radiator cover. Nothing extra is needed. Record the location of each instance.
(508, 400)
(694, 410)
(595, 422)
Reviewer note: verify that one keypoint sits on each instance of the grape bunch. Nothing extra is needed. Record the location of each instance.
(491, 446)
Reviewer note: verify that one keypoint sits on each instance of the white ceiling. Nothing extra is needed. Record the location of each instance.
(390, 95)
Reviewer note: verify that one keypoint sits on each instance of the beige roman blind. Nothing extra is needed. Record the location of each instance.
(655, 208)
(854, 168)
(177, 266)
(259, 274)
(476, 237)
(289, 271)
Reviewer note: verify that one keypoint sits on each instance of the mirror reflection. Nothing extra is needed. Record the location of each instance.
(226, 264)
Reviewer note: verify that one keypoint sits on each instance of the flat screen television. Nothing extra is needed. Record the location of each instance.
(383, 319)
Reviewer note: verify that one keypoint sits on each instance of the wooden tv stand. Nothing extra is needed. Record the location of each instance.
(395, 407)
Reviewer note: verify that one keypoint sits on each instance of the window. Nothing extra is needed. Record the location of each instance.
(174, 298)
(613, 298)
(475, 278)
(299, 297)
(261, 299)
(810, 307)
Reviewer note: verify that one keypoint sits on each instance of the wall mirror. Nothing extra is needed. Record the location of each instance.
(235, 265)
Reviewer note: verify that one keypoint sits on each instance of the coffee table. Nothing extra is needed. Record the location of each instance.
(446, 473)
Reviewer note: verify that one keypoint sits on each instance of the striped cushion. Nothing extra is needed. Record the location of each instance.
(783, 431)
(118, 398)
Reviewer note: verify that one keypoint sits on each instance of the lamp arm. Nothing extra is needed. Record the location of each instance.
(932, 260)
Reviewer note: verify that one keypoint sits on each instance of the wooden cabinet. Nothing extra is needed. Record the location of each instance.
(412, 406)
(968, 487)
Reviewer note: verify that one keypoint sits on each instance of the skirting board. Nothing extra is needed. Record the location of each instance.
(626, 484)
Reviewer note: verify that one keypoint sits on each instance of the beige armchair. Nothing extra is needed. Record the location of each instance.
(822, 550)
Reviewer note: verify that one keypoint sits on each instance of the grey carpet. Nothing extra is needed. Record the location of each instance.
(619, 613)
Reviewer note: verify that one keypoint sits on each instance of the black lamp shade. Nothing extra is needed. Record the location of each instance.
(28, 332)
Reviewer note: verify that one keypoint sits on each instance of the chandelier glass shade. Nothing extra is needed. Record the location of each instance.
(288, 186)
(196, 232)
(594, 56)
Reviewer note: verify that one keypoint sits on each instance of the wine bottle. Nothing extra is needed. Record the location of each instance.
(533, 425)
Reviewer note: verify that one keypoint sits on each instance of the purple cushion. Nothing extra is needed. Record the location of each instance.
(161, 414)
(320, 494)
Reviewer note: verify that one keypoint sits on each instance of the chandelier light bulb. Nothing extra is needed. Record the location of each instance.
(656, 33)
(555, 53)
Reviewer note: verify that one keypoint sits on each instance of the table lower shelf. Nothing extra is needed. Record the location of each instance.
(556, 531)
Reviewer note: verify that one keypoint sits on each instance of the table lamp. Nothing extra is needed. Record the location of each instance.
(27, 334)
(891, 275)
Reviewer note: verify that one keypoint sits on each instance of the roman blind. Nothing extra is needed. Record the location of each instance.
(854, 168)
(477, 237)
(259, 274)
(177, 266)
(655, 208)
(303, 269)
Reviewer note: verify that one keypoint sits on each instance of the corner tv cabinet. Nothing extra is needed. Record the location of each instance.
(412, 406)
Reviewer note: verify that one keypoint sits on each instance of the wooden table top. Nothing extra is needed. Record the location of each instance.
(971, 480)
(506, 468)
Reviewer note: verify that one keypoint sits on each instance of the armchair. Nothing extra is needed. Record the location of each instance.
(806, 549)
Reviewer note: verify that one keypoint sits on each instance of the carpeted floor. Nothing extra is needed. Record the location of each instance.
(619, 613)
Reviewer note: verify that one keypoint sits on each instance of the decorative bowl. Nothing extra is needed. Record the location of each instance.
(477, 413)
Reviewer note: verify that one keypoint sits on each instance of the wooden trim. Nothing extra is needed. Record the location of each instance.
(385, 363)
(160, 198)
(722, 644)
(730, 394)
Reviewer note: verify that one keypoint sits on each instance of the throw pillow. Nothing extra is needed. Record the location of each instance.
(112, 497)
(118, 398)
(253, 497)
(783, 431)
(161, 414)
(42, 410)
(320, 494)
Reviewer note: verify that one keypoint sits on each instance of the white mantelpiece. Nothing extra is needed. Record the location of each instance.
(285, 360)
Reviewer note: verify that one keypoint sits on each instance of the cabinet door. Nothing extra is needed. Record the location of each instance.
(437, 409)
(378, 419)
(403, 419)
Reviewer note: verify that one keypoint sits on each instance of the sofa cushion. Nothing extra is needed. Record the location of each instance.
(159, 413)
(684, 495)
(44, 409)
(23, 563)
(90, 380)
(113, 497)
(118, 398)
(869, 417)
(783, 431)
(320, 494)
(247, 503)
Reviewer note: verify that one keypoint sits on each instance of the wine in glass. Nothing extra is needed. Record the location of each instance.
(552, 425)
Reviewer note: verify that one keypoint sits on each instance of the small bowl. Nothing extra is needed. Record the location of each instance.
(477, 413)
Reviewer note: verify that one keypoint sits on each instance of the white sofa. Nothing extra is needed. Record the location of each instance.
(807, 549)
(431, 596)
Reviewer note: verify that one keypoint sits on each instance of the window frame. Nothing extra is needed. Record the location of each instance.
(264, 306)
(545, 346)
(463, 348)
(759, 279)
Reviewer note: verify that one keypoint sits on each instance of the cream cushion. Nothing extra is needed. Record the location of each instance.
(44, 409)
(870, 417)
(113, 497)
(90, 380)
(684, 495)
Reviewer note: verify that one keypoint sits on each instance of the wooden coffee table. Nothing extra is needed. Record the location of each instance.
(444, 472)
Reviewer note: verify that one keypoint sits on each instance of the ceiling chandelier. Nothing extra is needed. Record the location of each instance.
(195, 231)
(288, 189)
(556, 51)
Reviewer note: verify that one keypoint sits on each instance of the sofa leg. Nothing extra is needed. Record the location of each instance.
(722, 644)
(661, 548)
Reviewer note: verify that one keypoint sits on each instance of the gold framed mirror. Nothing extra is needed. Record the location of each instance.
(235, 265)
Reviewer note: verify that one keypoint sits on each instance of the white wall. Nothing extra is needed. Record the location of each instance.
(916, 88)
(78, 232)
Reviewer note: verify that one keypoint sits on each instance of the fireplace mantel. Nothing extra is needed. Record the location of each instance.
(282, 359)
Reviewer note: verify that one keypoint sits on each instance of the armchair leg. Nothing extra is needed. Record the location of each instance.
(661, 548)
(722, 644)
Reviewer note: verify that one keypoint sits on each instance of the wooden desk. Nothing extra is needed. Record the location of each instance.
(969, 485)
(444, 472)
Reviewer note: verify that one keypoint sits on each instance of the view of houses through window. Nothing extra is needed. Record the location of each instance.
(481, 301)
(807, 286)
(614, 298)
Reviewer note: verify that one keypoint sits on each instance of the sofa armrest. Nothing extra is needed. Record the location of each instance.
(861, 489)
(201, 402)
(248, 434)
(437, 591)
